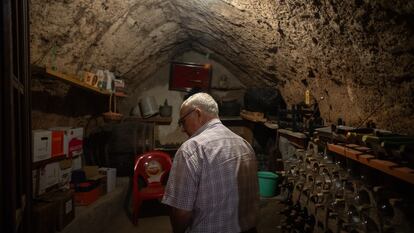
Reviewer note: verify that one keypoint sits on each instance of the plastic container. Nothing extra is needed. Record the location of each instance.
(148, 106)
(88, 193)
(267, 183)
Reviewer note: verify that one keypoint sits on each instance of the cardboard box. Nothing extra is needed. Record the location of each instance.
(58, 143)
(44, 178)
(49, 176)
(72, 140)
(44, 217)
(110, 174)
(65, 173)
(42, 145)
(58, 173)
(92, 173)
(65, 204)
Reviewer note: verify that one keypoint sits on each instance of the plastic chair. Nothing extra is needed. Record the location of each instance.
(153, 167)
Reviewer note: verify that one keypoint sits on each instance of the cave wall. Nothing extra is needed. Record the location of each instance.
(356, 57)
(158, 87)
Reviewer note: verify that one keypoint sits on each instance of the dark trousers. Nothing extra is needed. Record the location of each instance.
(252, 230)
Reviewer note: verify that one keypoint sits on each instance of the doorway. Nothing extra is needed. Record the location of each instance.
(15, 145)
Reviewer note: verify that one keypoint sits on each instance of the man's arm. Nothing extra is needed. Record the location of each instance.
(180, 219)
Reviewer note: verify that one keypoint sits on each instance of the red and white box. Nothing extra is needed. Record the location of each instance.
(72, 140)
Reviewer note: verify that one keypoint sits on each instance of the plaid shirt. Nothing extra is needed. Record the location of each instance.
(214, 175)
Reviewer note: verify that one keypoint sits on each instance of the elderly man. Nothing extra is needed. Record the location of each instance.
(213, 184)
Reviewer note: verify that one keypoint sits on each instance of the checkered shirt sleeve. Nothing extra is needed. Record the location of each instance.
(181, 189)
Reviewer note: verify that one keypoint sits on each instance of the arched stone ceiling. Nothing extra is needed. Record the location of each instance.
(356, 57)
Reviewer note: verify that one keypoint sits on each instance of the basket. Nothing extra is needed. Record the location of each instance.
(253, 116)
(110, 115)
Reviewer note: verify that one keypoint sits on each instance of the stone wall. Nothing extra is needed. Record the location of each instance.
(356, 57)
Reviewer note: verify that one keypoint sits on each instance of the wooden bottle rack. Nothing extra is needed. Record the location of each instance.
(358, 153)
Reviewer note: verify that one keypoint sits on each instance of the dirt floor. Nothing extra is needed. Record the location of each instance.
(154, 219)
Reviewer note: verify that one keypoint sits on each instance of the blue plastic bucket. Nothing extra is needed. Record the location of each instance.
(267, 183)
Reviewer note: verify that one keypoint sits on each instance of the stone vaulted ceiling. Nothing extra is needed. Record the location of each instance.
(355, 56)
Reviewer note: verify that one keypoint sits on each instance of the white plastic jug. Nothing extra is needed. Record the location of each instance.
(148, 106)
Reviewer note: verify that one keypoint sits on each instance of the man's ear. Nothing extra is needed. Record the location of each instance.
(200, 114)
(198, 111)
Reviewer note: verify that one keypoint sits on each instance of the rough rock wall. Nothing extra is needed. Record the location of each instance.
(129, 37)
(356, 57)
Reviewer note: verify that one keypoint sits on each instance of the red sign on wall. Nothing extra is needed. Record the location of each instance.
(187, 76)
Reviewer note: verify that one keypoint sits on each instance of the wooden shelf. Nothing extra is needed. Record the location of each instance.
(393, 169)
(227, 88)
(69, 78)
(47, 161)
(72, 79)
(231, 118)
(156, 119)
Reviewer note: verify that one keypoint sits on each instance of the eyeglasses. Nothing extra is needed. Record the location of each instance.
(181, 120)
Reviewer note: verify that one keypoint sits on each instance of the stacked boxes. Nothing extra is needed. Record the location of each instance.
(48, 144)
(42, 145)
(57, 142)
(60, 182)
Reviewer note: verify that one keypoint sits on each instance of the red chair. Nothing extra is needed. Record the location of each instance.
(153, 167)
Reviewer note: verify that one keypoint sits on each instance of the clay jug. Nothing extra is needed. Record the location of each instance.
(165, 110)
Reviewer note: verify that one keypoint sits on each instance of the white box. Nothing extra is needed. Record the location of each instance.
(76, 163)
(72, 141)
(42, 145)
(47, 177)
(110, 177)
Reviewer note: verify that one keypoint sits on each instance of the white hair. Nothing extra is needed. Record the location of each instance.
(203, 101)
